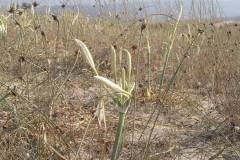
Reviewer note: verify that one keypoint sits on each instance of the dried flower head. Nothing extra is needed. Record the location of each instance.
(63, 5)
(134, 47)
(55, 18)
(143, 26)
(11, 9)
(35, 4)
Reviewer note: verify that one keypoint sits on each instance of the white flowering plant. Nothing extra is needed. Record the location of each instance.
(119, 89)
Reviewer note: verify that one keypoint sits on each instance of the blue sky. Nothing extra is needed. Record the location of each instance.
(230, 7)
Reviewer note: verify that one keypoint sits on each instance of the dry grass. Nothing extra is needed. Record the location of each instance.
(48, 100)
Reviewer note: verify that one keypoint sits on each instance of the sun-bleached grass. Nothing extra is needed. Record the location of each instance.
(59, 91)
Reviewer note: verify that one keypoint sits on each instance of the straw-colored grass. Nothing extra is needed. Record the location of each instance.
(173, 86)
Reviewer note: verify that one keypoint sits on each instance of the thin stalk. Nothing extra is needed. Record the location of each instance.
(180, 64)
(168, 51)
(149, 66)
(169, 48)
(118, 135)
(136, 91)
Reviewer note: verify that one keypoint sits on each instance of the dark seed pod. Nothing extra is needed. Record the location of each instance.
(43, 34)
(13, 93)
(115, 46)
(200, 31)
(140, 85)
(55, 18)
(11, 9)
(134, 47)
(19, 12)
(35, 4)
(141, 20)
(36, 27)
(143, 26)
(63, 5)
(76, 52)
(21, 59)
(229, 33)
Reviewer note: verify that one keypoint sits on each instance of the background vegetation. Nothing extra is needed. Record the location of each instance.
(185, 103)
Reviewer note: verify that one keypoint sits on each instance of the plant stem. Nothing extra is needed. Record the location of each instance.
(118, 136)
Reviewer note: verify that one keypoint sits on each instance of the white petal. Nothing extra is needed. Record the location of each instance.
(112, 85)
(86, 54)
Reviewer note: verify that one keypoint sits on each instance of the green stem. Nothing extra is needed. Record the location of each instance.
(118, 136)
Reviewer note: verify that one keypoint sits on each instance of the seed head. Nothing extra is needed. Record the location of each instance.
(55, 18)
(63, 5)
(35, 4)
(11, 9)
(143, 26)
(200, 31)
(134, 47)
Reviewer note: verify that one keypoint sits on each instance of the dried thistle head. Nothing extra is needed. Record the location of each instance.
(21, 59)
(55, 18)
(36, 27)
(200, 31)
(143, 26)
(35, 4)
(43, 34)
(63, 5)
(11, 9)
(19, 12)
(134, 47)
